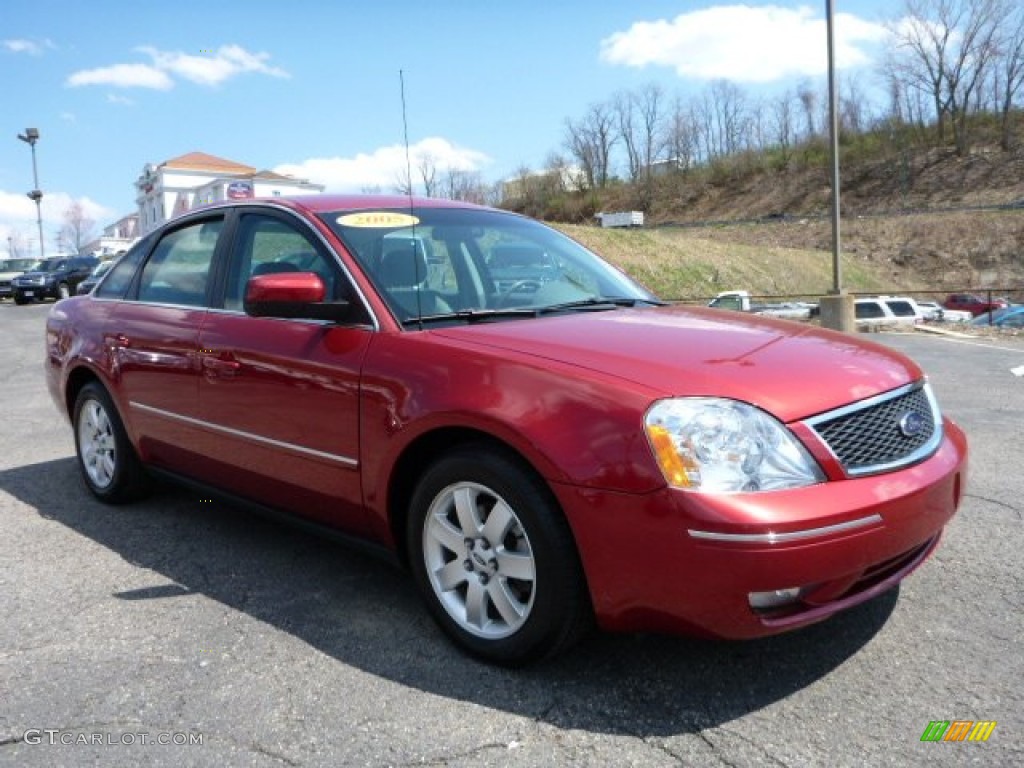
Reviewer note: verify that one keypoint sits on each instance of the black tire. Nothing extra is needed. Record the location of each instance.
(20, 300)
(107, 460)
(511, 592)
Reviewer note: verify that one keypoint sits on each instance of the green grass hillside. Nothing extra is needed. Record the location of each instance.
(677, 263)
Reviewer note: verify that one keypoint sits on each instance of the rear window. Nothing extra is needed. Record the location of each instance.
(902, 308)
(869, 310)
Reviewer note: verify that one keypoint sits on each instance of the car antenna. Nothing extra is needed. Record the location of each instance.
(412, 206)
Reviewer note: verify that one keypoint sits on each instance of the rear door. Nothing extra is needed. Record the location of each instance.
(152, 338)
(280, 398)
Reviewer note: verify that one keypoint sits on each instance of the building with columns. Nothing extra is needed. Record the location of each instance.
(177, 185)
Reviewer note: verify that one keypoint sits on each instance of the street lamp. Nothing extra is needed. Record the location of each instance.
(30, 137)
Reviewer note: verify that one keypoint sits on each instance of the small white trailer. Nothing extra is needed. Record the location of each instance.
(622, 219)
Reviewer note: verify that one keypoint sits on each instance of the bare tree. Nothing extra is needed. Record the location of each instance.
(1010, 71)
(726, 118)
(943, 49)
(426, 164)
(590, 141)
(681, 138)
(641, 128)
(78, 229)
(17, 245)
(403, 183)
(464, 185)
(809, 101)
(852, 106)
(784, 121)
(624, 105)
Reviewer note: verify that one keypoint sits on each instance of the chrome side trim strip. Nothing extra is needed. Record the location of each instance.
(781, 538)
(345, 460)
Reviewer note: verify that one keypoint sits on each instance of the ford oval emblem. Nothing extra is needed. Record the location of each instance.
(913, 424)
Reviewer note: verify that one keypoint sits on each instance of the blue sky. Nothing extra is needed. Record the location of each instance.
(311, 87)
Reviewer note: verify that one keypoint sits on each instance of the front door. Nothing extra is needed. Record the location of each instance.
(280, 398)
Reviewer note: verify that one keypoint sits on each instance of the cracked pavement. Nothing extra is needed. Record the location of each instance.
(179, 616)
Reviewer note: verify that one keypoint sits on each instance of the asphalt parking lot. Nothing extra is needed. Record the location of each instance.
(182, 620)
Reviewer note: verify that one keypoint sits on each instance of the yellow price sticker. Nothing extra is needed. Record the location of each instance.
(377, 220)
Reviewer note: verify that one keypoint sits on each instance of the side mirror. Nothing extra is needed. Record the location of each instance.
(292, 295)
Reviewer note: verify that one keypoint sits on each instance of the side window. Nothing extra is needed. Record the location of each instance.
(119, 278)
(179, 268)
(266, 245)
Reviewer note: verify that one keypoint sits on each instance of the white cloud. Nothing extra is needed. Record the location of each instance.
(743, 43)
(31, 47)
(227, 62)
(205, 69)
(123, 76)
(18, 217)
(384, 167)
(113, 98)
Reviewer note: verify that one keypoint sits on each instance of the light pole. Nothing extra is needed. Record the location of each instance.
(837, 309)
(30, 137)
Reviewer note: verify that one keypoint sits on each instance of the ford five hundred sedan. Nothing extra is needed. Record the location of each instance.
(542, 453)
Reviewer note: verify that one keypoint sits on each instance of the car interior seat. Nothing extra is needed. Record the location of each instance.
(403, 276)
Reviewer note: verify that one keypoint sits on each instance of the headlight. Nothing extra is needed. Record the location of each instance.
(714, 445)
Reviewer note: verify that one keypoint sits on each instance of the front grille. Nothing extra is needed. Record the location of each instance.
(882, 433)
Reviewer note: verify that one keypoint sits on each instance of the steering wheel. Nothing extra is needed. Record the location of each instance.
(527, 285)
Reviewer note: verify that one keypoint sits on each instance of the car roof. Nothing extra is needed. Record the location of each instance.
(322, 203)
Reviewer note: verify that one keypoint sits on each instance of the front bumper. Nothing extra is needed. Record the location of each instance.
(681, 562)
(31, 292)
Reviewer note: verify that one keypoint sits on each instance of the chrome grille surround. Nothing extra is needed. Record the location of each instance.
(868, 437)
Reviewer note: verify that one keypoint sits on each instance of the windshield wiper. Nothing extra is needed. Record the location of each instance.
(594, 303)
(598, 303)
(474, 315)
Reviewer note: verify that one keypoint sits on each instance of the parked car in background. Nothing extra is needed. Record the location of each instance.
(94, 277)
(741, 301)
(904, 308)
(55, 278)
(538, 460)
(876, 312)
(973, 303)
(10, 269)
(935, 312)
(1007, 317)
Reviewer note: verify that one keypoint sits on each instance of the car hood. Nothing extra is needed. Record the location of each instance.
(790, 370)
(34, 274)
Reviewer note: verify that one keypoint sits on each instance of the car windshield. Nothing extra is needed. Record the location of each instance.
(468, 264)
(47, 265)
(16, 265)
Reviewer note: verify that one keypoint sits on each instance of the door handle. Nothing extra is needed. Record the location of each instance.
(225, 366)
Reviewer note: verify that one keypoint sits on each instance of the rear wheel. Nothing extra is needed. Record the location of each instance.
(108, 462)
(494, 558)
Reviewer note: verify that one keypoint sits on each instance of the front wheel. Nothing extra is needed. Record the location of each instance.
(107, 460)
(494, 558)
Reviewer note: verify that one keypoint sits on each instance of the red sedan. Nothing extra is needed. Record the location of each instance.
(541, 452)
